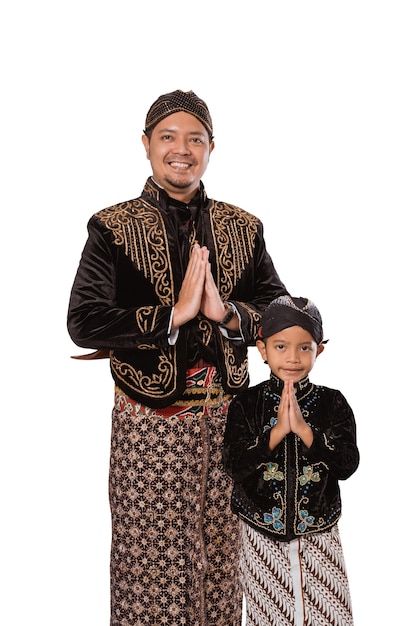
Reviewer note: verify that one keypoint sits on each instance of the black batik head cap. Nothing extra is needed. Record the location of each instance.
(286, 311)
(175, 102)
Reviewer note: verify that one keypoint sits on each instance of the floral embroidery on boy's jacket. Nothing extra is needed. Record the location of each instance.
(307, 521)
(293, 490)
(272, 472)
(274, 518)
(307, 475)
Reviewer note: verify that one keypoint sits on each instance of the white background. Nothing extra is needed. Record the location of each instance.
(314, 108)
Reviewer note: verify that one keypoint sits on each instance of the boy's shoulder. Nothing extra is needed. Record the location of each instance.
(329, 391)
(251, 392)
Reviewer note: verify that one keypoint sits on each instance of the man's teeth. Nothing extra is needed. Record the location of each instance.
(181, 165)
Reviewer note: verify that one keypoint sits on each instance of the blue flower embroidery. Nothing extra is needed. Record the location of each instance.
(270, 424)
(274, 518)
(306, 521)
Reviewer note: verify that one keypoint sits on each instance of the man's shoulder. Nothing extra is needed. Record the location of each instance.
(121, 218)
(120, 207)
(221, 204)
(225, 210)
(123, 211)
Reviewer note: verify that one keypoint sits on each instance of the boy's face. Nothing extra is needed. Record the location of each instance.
(290, 353)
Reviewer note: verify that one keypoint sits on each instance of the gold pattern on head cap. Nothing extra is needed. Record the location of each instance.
(175, 102)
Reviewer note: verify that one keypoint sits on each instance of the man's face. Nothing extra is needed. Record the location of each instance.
(179, 151)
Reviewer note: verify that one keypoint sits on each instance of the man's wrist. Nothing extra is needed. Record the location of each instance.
(230, 313)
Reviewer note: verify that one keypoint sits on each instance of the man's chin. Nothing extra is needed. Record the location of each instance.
(178, 183)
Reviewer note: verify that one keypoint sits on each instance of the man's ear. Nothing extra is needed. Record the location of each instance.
(262, 349)
(320, 349)
(145, 141)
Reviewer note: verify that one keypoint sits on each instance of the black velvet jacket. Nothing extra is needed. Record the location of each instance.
(293, 490)
(128, 280)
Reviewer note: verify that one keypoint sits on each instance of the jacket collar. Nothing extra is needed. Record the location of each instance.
(277, 385)
(155, 194)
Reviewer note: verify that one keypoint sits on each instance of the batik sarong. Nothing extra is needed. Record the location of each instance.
(298, 583)
(175, 542)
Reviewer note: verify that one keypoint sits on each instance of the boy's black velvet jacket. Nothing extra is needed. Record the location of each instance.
(128, 280)
(293, 490)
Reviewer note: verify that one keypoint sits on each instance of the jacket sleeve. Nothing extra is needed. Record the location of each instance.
(246, 446)
(334, 438)
(95, 319)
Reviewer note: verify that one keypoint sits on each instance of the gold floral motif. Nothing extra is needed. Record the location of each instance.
(237, 375)
(234, 236)
(159, 385)
(146, 317)
(206, 328)
(137, 226)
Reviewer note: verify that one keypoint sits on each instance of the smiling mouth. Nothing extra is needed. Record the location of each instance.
(179, 165)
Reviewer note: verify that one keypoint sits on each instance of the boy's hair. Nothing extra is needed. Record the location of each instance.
(286, 311)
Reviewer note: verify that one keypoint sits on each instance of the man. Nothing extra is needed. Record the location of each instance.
(171, 286)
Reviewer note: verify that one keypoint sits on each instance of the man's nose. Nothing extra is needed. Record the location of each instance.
(181, 146)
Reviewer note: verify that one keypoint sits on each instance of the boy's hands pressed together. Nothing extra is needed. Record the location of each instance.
(290, 419)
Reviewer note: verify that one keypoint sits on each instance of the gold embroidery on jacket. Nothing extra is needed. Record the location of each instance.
(138, 227)
(234, 237)
(152, 191)
(237, 374)
(253, 319)
(206, 328)
(158, 385)
(146, 318)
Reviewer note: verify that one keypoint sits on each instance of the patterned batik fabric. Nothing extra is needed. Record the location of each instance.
(175, 542)
(298, 583)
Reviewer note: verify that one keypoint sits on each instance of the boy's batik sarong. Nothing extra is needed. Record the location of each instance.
(298, 583)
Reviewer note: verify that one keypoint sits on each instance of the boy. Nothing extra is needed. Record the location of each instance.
(287, 444)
